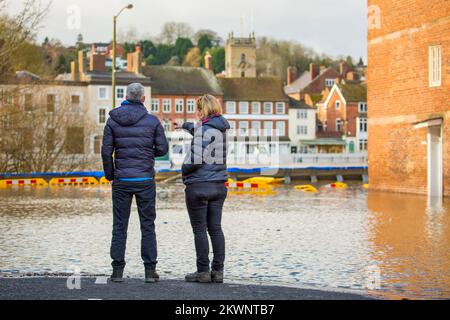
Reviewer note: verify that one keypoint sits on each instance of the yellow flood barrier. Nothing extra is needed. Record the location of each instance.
(103, 181)
(38, 182)
(249, 188)
(366, 186)
(336, 185)
(264, 180)
(74, 181)
(306, 188)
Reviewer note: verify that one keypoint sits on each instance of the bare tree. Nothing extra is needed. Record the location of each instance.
(41, 132)
(171, 31)
(17, 29)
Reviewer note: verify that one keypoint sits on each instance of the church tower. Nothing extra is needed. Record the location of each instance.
(240, 57)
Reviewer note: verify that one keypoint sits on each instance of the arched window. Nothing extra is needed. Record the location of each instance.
(243, 58)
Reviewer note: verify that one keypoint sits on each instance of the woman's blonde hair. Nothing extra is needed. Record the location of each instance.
(208, 105)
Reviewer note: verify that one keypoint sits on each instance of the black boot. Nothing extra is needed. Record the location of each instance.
(217, 276)
(117, 275)
(202, 277)
(151, 276)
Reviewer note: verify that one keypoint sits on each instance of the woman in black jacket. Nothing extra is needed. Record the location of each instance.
(205, 174)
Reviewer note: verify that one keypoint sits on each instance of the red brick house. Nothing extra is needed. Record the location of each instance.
(408, 77)
(342, 119)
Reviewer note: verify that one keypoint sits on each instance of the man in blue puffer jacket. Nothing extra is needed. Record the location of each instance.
(135, 138)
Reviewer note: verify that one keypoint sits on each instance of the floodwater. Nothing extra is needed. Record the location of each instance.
(381, 244)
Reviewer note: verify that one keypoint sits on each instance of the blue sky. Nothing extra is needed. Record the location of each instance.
(328, 26)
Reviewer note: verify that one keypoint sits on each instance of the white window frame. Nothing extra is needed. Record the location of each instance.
(241, 127)
(256, 105)
(280, 133)
(232, 130)
(167, 103)
(190, 106)
(362, 144)
(271, 107)
(98, 115)
(232, 105)
(338, 120)
(256, 131)
(362, 124)
(124, 92)
(243, 107)
(302, 130)
(435, 66)
(337, 104)
(268, 128)
(179, 103)
(154, 106)
(302, 114)
(362, 107)
(330, 82)
(106, 93)
(282, 105)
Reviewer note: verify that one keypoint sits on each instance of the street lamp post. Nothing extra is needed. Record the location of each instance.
(130, 6)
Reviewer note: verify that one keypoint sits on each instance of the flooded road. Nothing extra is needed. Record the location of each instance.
(383, 244)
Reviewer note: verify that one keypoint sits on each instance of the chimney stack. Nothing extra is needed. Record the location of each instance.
(314, 70)
(97, 62)
(208, 61)
(291, 75)
(344, 68)
(81, 62)
(134, 60)
(74, 75)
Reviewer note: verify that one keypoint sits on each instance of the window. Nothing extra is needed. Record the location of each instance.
(330, 82)
(337, 104)
(268, 107)
(232, 127)
(101, 115)
(280, 108)
(75, 100)
(167, 105)
(243, 107)
(231, 107)
(338, 125)
(363, 124)
(177, 149)
(256, 107)
(302, 114)
(243, 128)
(191, 106)
(243, 74)
(363, 144)
(302, 130)
(166, 125)
(243, 58)
(102, 93)
(155, 105)
(98, 144)
(179, 106)
(28, 100)
(362, 107)
(256, 128)
(268, 128)
(51, 103)
(120, 93)
(435, 66)
(281, 128)
(74, 142)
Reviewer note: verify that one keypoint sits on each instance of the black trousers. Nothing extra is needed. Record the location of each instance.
(122, 196)
(204, 202)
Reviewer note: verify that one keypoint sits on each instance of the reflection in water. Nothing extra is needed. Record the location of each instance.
(332, 239)
(411, 244)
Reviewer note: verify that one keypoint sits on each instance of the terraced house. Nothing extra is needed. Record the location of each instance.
(342, 119)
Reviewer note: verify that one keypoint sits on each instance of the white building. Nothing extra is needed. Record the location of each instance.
(302, 126)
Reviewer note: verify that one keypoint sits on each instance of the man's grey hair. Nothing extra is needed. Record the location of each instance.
(135, 92)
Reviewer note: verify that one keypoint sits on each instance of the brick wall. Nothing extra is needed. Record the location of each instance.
(399, 94)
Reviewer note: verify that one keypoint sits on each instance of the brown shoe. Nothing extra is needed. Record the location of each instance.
(202, 277)
(217, 276)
